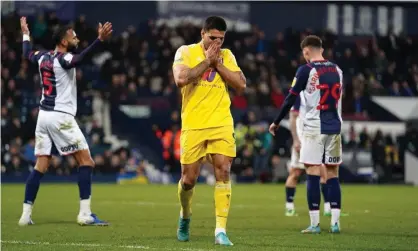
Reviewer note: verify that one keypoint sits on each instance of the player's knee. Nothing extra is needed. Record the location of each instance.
(291, 181)
(313, 170)
(298, 172)
(42, 164)
(294, 176)
(87, 162)
(332, 172)
(222, 171)
(188, 182)
(83, 158)
(42, 169)
(90, 162)
(189, 175)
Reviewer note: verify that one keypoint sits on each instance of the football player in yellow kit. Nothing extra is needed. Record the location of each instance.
(204, 72)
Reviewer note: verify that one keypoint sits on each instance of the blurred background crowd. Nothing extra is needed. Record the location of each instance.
(135, 67)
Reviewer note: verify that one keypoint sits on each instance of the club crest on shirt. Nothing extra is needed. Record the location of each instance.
(178, 57)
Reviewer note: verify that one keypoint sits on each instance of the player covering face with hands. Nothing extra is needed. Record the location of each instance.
(204, 72)
(56, 123)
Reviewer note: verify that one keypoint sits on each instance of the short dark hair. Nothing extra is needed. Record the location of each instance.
(60, 33)
(214, 22)
(311, 40)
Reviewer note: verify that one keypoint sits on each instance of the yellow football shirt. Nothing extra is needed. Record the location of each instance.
(205, 104)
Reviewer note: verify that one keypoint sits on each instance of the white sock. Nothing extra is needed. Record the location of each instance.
(85, 206)
(335, 216)
(27, 208)
(290, 206)
(219, 230)
(327, 207)
(314, 215)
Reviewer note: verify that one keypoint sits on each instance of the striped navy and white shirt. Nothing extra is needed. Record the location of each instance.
(58, 77)
(319, 86)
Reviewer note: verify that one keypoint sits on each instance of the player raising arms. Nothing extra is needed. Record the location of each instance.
(56, 123)
(319, 84)
(296, 167)
(204, 71)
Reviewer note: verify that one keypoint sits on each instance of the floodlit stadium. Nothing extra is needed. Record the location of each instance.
(117, 117)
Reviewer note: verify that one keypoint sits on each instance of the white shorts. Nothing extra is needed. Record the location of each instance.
(62, 130)
(295, 160)
(314, 146)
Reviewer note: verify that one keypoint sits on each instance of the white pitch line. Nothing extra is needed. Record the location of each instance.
(153, 204)
(75, 244)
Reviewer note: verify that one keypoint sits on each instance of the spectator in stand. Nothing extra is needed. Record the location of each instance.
(29, 152)
(171, 149)
(277, 95)
(352, 137)
(378, 151)
(244, 162)
(360, 104)
(238, 101)
(348, 63)
(40, 27)
(16, 166)
(406, 90)
(415, 84)
(394, 90)
(264, 148)
(364, 140)
(389, 76)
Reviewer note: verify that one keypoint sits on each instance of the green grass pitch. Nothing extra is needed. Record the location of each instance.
(144, 217)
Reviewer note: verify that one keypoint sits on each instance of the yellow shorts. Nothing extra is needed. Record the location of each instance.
(197, 143)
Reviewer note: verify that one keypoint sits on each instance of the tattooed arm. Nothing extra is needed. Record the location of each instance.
(230, 72)
(184, 75)
(235, 79)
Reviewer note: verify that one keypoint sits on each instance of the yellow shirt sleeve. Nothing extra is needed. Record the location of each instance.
(182, 57)
(230, 62)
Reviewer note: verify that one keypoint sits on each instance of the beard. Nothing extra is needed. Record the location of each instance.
(71, 48)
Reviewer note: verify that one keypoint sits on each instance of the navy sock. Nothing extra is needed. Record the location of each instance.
(32, 186)
(84, 181)
(290, 193)
(313, 192)
(324, 190)
(334, 193)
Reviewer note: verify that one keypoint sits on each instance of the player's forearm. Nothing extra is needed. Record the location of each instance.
(284, 110)
(236, 80)
(188, 76)
(292, 121)
(78, 58)
(27, 46)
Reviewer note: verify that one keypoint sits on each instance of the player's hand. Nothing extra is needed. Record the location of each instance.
(273, 128)
(219, 58)
(218, 62)
(24, 26)
(212, 53)
(297, 145)
(104, 31)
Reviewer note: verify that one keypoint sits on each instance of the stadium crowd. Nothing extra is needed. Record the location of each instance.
(137, 63)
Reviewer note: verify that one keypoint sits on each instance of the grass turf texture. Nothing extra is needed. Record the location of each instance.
(145, 218)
